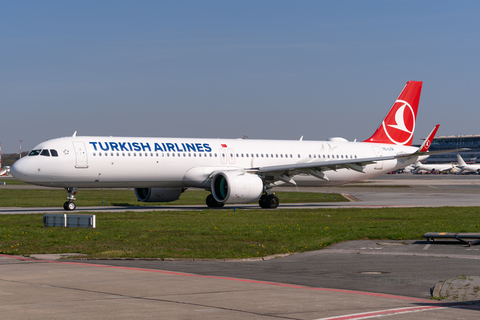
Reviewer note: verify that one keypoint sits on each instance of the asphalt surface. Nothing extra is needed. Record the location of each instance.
(407, 268)
(351, 280)
(398, 190)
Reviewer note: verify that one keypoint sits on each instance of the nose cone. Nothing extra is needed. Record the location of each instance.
(20, 170)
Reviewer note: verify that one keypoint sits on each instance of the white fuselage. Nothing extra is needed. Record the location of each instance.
(116, 162)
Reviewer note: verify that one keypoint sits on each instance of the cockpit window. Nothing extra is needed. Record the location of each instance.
(45, 153)
(54, 152)
(34, 153)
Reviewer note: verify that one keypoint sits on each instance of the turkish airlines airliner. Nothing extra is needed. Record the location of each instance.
(233, 170)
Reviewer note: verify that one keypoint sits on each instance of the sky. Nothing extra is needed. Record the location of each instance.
(228, 69)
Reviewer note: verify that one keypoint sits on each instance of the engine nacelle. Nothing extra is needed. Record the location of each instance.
(158, 194)
(236, 187)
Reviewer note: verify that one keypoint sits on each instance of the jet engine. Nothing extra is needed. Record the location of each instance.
(158, 194)
(236, 187)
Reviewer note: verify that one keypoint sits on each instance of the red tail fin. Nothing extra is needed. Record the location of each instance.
(399, 124)
(428, 141)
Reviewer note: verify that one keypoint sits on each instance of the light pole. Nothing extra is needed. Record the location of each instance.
(20, 149)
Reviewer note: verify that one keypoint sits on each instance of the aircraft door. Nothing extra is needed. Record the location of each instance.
(223, 155)
(80, 154)
(378, 153)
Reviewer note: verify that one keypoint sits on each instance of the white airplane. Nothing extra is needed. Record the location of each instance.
(433, 167)
(233, 170)
(467, 167)
(4, 171)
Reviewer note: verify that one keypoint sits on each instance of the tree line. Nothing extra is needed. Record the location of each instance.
(9, 158)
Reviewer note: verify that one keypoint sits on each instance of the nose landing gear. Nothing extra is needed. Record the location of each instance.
(70, 204)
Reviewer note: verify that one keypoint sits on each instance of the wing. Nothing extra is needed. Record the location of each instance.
(317, 169)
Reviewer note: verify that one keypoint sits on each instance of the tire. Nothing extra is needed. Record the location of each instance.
(262, 202)
(212, 203)
(269, 202)
(272, 201)
(69, 206)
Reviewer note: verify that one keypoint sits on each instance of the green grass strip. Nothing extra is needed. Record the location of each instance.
(219, 234)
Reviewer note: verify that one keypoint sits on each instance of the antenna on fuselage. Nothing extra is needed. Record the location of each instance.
(74, 134)
(301, 138)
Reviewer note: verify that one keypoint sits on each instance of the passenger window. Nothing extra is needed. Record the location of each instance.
(54, 152)
(45, 153)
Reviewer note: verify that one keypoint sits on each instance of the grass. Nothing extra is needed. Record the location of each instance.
(217, 234)
(56, 198)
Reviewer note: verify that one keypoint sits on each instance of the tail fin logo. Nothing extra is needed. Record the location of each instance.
(401, 125)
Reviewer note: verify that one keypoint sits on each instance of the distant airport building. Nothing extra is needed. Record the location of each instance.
(471, 142)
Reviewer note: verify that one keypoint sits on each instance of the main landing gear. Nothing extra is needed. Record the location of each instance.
(269, 201)
(212, 203)
(70, 204)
